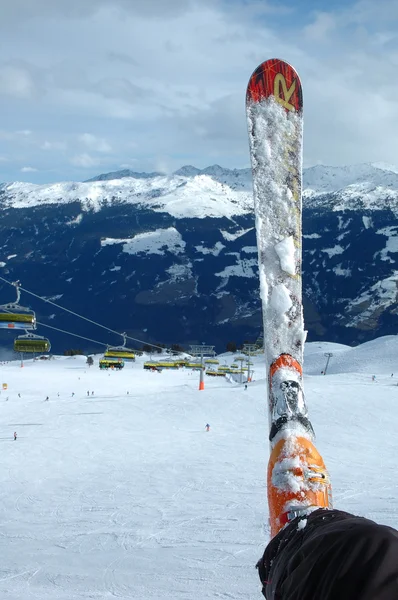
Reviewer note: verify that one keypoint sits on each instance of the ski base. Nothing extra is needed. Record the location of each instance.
(297, 478)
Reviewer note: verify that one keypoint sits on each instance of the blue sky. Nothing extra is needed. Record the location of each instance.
(94, 86)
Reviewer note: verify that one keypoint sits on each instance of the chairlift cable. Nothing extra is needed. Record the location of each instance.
(79, 316)
(74, 334)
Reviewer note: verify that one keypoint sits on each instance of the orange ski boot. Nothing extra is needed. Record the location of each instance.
(297, 478)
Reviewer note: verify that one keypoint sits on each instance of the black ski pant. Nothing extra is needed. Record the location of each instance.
(331, 555)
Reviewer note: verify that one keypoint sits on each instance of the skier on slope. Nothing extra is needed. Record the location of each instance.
(331, 555)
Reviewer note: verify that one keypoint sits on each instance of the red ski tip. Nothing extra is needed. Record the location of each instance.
(276, 78)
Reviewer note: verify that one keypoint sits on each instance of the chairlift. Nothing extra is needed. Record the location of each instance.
(32, 343)
(15, 316)
(120, 351)
(109, 363)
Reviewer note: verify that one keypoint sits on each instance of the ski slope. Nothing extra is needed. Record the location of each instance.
(125, 496)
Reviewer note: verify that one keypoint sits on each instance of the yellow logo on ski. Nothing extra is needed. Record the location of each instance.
(280, 85)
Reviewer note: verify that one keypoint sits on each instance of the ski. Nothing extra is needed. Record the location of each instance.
(297, 479)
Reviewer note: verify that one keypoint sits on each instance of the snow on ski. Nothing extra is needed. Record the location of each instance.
(297, 477)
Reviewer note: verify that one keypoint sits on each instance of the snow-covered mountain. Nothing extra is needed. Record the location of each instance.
(216, 191)
(173, 257)
(212, 192)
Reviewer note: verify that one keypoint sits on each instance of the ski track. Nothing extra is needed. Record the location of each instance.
(135, 499)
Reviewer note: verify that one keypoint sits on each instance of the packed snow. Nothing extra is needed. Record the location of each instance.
(231, 237)
(374, 300)
(337, 249)
(279, 303)
(367, 221)
(242, 268)
(312, 236)
(286, 254)
(273, 133)
(180, 272)
(338, 270)
(215, 251)
(122, 493)
(391, 246)
(151, 242)
(75, 221)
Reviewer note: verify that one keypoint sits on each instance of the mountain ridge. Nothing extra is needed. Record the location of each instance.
(217, 191)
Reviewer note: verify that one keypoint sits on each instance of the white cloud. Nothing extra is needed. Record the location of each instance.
(46, 145)
(154, 79)
(322, 26)
(21, 10)
(24, 132)
(20, 137)
(84, 160)
(128, 165)
(17, 81)
(28, 170)
(95, 143)
(122, 57)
